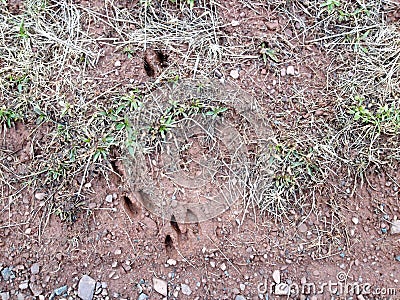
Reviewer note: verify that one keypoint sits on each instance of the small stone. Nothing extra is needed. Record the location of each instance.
(28, 231)
(283, 72)
(234, 74)
(160, 286)
(235, 23)
(240, 297)
(35, 268)
(290, 70)
(212, 264)
(302, 228)
(118, 252)
(355, 220)
(223, 267)
(86, 287)
(276, 275)
(109, 198)
(117, 63)
(357, 262)
(40, 196)
(316, 273)
(36, 289)
(5, 295)
(303, 280)
(23, 286)
(7, 273)
(395, 229)
(242, 286)
(143, 296)
(186, 289)
(171, 262)
(61, 290)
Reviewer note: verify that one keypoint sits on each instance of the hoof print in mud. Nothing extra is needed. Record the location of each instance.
(193, 160)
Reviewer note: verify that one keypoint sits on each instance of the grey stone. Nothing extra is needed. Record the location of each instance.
(86, 287)
(160, 286)
(395, 229)
(143, 296)
(5, 295)
(36, 289)
(61, 290)
(7, 273)
(240, 297)
(186, 289)
(35, 268)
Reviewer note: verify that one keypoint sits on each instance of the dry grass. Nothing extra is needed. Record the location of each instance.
(48, 51)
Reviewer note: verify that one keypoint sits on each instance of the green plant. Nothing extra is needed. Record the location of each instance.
(268, 53)
(216, 111)
(331, 5)
(8, 116)
(190, 3)
(129, 52)
(386, 118)
(22, 31)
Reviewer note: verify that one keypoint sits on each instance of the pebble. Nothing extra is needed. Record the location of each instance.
(316, 273)
(40, 196)
(143, 296)
(242, 286)
(160, 286)
(303, 228)
(171, 262)
(283, 72)
(395, 229)
(186, 289)
(355, 220)
(290, 70)
(223, 267)
(303, 280)
(86, 287)
(234, 74)
(35, 268)
(235, 23)
(117, 63)
(240, 297)
(36, 289)
(23, 286)
(109, 198)
(5, 296)
(118, 252)
(61, 290)
(7, 273)
(276, 275)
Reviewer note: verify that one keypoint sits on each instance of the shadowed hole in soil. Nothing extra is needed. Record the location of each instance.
(162, 58)
(131, 208)
(169, 244)
(148, 68)
(175, 225)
